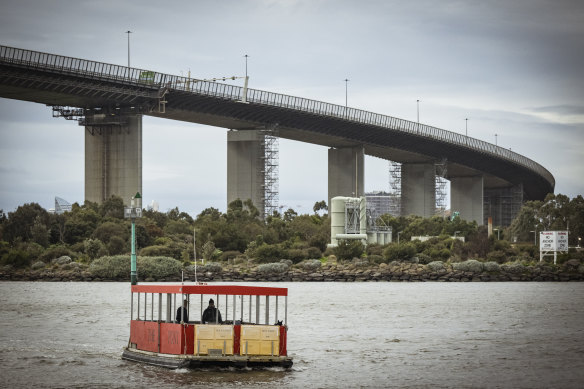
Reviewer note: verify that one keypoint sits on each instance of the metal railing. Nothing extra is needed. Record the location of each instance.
(150, 79)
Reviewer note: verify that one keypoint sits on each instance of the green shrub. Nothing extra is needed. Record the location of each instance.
(374, 249)
(348, 249)
(314, 252)
(231, 254)
(400, 252)
(425, 259)
(497, 256)
(514, 268)
(471, 265)
(209, 267)
(311, 265)
(492, 267)
(118, 267)
(273, 268)
(436, 266)
(267, 253)
(297, 255)
(55, 252)
(16, 258)
(377, 259)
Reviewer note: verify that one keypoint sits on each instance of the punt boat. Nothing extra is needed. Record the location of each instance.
(249, 331)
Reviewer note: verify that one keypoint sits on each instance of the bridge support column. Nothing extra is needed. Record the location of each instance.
(418, 189)
(113, 159)
(466, 197)
(346, 172)
(502, 204)
(245, 169)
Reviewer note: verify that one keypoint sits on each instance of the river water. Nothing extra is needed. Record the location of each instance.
(403, 335)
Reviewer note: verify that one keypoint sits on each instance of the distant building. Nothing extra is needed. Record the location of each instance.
(61, 206)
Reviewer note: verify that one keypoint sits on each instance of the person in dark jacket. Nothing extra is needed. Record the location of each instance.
(179, 312)
(210, 314)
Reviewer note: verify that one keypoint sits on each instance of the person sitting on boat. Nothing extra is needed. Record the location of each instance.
(179, 312)
(210, 314)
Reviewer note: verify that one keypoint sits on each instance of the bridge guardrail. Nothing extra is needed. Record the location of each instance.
(155, 80)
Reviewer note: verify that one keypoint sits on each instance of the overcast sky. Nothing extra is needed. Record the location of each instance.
(513, 68)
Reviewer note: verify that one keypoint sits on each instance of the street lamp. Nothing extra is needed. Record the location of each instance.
(246, 57)
(128, 32)
(418, 103)
(496, 139)
(466, 127)
(346, 91)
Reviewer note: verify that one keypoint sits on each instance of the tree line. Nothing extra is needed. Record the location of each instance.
(92, 230)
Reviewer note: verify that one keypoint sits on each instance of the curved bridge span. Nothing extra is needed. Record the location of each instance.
(105, 97)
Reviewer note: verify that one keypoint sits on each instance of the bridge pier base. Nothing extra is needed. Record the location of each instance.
(503, 204)
(418, 189)
(113, 158)
(245, 169)
(466, 197)
(346, 172)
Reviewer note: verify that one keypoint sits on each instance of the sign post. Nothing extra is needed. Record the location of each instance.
(552, 242)
(132, 212)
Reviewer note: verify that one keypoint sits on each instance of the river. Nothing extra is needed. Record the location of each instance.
(402, 335)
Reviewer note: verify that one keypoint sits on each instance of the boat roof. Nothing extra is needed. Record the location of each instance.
(230, 290)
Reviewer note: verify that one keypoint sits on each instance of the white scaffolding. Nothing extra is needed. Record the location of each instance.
(270, 158)
(395, 188)
(441, 182)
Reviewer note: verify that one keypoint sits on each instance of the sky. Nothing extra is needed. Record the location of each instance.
(513, 68)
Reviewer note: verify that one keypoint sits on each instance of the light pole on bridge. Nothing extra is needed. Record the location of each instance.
(128, 32)
(496, 139)
(418, 107)
(466, 127)
(346, 91)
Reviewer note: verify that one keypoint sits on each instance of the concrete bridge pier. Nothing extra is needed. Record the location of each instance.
(418, 189)
(346, 172)
(245, 169)
(466, 197)
(113, 158)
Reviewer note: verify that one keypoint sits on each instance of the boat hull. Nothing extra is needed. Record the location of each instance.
(173, 361)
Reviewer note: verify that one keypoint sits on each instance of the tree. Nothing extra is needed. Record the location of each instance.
(320, 205)
(20, 223)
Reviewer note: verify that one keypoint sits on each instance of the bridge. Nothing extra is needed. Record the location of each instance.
(110, 100)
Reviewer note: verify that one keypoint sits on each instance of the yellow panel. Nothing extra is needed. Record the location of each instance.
(270, 333)
(250, 332)
(224, 332)
(205, 345)
(253, 347)
(266, 347)
(204, 332)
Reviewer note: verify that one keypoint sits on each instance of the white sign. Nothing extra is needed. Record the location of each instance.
(553, 241)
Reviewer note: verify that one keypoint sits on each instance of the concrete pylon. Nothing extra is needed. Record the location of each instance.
(346, 172)
(113, 159)
(245, 178)
(418, 189)
(466, 197)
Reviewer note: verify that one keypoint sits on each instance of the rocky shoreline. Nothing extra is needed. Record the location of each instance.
(572, 270)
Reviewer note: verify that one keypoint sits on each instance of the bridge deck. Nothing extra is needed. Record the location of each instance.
(64, 81)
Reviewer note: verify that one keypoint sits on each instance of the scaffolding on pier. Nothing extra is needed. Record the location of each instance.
(395, 208)
(269, 169)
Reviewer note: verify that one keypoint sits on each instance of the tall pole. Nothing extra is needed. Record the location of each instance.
(466, 128)
(128, 32)
(495, 139)
(346, 91)
(133, 275)
(418, 103)
(246, 57)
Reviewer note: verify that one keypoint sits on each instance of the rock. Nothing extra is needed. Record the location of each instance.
(62, 260)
